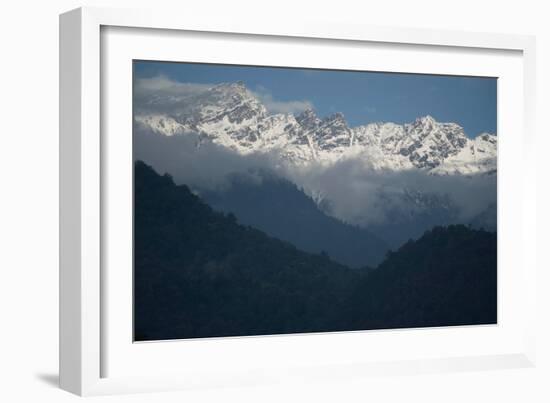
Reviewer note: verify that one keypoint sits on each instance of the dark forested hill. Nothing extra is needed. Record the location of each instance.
(447, 277)
(198, 273)
(277, 207)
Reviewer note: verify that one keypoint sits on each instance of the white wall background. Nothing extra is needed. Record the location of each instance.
(29, 201)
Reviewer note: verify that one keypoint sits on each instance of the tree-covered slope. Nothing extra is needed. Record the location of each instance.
(198, 273)
(447, 277)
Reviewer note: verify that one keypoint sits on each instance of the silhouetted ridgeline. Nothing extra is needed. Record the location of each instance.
(198, 273)
(447, 277)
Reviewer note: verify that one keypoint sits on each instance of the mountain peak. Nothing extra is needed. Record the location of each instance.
(237, 84)
(236, 87)
(308, 119)
(487, 136)
(308, 113)
(336, 116)
(427, 120)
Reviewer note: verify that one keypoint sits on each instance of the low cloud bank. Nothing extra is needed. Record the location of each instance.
(361, 195)
(274, 106)
(355, 193)
(194, 162)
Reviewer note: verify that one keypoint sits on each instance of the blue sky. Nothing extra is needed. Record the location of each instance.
(362, 97)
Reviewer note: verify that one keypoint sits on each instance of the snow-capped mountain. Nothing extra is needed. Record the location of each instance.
(396, 180)
(441, 148)
(232, 116)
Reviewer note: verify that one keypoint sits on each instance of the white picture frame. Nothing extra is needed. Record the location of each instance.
(86, 345)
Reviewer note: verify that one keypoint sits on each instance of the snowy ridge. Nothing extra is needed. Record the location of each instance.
(231, 116)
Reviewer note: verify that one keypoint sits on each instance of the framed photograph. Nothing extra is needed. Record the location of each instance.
(243, 203)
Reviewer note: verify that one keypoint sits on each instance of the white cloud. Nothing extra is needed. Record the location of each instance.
(360, 195)
(165, 85)
(277, 106)
(161, 94)
(208, 166)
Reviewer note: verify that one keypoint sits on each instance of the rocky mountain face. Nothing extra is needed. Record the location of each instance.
(395, 180)
(230, 115)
